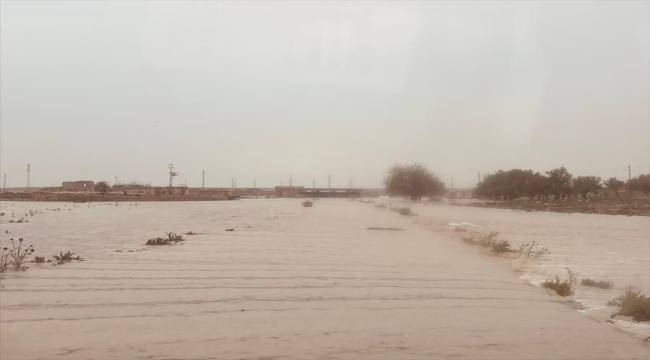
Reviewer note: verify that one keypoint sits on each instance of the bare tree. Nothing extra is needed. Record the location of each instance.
(102, 187)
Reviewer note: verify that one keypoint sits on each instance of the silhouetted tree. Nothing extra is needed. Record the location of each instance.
(583, 185)
(102, 187)
(560, 182)
(641, 183)
(614, 184)
(413, 181)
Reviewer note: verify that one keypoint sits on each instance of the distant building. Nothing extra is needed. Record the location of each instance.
(78, 185)
(288, 191)
(333, 193)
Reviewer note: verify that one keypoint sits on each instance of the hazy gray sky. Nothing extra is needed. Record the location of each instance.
(260, 90)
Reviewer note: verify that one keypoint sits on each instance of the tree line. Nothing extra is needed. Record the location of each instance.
(556, 183)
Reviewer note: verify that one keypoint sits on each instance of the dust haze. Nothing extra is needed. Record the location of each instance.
(258, 91)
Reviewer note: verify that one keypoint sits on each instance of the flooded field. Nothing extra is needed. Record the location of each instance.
(294, 283)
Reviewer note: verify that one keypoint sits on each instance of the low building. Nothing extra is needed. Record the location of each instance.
(78, 185)
(332, 193)
(288, 191)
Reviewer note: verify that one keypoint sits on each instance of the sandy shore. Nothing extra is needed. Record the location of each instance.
(300, 284)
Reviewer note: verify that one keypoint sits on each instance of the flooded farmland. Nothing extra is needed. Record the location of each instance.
(293, 282)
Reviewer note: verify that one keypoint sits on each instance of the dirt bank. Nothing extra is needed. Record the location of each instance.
(629, 207)
(93, 197)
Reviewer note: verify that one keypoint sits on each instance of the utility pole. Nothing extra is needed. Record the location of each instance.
(629, 183)
(290, 180)
(4, 183)
(116, 181)
(28, 176)
(313, 184)
(350, 185)
(203, 180)
(171, 173)
(329, 181)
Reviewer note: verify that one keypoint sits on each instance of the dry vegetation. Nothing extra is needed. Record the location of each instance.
(597, 284)
(172, 239)
(562, 288)
(15, 257)
(633, 304)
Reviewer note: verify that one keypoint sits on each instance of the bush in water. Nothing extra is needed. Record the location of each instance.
(67, 257)
(598, 284)
(501, 247)
(16, 256)
(488, 240)
(633, 304)
(561, 288)
(533, 249)
(172, 239)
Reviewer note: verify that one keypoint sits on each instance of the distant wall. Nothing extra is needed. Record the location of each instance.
(78, 185)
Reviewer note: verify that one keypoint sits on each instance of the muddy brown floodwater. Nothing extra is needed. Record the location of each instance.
(288, 283)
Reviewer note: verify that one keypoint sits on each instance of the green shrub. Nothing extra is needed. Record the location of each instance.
(598, 284)
(633, 304)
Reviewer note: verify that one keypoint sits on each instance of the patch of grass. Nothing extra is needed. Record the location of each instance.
(501, 247)
(172, 239)
(562, 288)
(598, 284)
(633, 304)
(39, 259)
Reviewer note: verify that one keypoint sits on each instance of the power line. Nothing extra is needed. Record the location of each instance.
(171, 173)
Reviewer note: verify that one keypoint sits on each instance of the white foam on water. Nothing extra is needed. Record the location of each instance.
(464, 223)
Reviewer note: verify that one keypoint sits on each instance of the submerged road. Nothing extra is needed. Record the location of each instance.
(288, 283)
